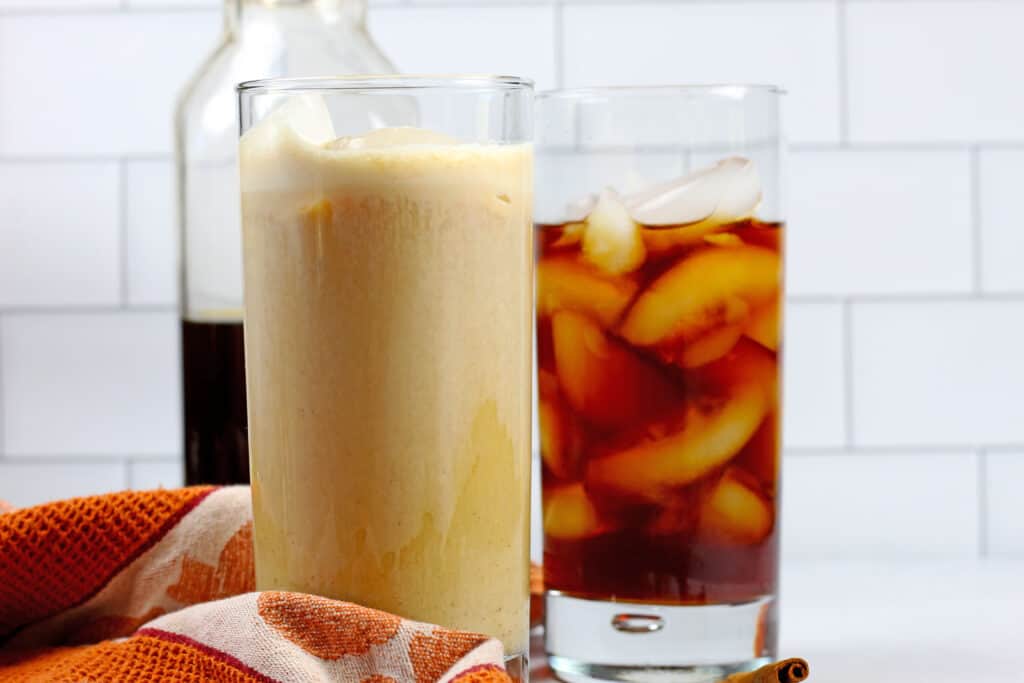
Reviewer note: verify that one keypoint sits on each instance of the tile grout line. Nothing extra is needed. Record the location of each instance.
(908, 298)
(86, 309)
(80, 159)
(90, 458)
(122, 7)
(902, 145)
(848, 389)
(906, 449)
(983, 512)
(843, 75)
(977, 280)
(122, 232)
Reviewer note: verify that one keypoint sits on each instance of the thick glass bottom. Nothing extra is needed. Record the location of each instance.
(518, 667)
(595, 640)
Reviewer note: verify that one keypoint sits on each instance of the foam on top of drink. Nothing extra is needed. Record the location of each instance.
(296, 147)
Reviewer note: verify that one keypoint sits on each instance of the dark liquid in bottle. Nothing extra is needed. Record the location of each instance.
(216, 424)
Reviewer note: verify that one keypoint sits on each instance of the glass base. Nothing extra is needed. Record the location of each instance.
(596, 640)
(518, 668)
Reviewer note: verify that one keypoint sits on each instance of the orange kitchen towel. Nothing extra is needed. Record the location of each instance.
(157, 586)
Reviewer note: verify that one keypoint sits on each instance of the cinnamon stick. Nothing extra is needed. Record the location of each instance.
(786, 671)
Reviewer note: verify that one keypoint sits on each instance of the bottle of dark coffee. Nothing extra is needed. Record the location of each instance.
(262, 39)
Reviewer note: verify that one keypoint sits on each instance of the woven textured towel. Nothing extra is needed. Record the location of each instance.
(156, 586)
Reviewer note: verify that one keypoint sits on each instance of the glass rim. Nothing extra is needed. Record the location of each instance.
(735, 90)
(399, 82)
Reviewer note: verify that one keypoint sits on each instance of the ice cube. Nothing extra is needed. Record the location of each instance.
(763, 326)
(727, 191)
(578, 209)
(604, 381)
(571, 235)
(703, 291)
(392, 137)
(736, 512)
(305, 115)
(705, 349)
(565, 283)
(760, 457)
(716, 426)
(724, 239)
(569, 514)
(560, 439)
(612, 239)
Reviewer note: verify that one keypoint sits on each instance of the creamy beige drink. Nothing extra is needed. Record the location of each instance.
(388, 303)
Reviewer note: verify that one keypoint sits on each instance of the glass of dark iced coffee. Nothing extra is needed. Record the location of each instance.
(659, 291)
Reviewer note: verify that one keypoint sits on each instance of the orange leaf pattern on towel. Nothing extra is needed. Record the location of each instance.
(489, 673)
(54, 556)
(150, 576)
(326, 628)
(233, 575)
(433, 653)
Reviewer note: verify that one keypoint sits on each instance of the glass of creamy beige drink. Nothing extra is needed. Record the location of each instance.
(388, 261)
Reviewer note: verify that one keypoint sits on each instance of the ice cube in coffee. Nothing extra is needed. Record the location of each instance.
(658, 341)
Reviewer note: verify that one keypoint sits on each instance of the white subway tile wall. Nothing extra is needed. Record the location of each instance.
(937, 373)
(90, 384)
(934, 71)
(501, 40)
(59, 242)
(905, 420)
(881, 504)
(815, 387)
(166, 474)
(1004, 506)
(105, 89)
(28, 483)
(1002, 228)
(57, 4)
(794, 44)
(861, 219)
(150, 233)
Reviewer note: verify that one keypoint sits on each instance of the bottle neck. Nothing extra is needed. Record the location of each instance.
(237, 12)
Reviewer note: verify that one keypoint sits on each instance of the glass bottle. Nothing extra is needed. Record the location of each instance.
(261, 39)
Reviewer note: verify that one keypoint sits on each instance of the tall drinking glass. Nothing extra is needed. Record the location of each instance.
(659, 291)
(388, 329)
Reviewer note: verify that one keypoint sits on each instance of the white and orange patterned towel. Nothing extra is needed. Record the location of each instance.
(156, 586)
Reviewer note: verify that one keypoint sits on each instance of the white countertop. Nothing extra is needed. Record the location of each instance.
(911, 622)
